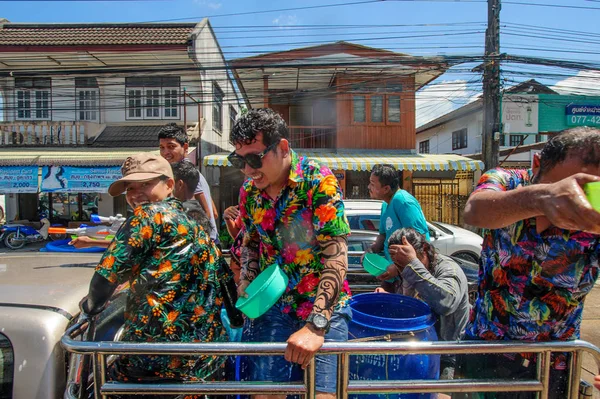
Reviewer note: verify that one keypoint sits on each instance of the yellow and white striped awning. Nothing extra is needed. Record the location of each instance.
(364, 161)
(68, 156)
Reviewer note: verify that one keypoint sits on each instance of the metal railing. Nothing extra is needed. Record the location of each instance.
(100, 350)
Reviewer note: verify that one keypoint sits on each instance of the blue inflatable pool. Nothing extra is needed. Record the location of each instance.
(63, 246)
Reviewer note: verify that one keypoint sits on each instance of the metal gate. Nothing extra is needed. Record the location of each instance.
(442, 200)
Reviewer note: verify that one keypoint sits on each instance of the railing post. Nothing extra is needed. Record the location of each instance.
(544, 370)
(99, 369)
(575, 373)
(309, 380)
(343, 376)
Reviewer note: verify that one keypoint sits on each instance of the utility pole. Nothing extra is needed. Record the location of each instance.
(491, 88)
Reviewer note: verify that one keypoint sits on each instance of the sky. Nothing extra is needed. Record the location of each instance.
(558, 29)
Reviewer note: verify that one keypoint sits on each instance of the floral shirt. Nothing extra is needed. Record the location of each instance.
(531, 285)
(308, 211)
(173, 270)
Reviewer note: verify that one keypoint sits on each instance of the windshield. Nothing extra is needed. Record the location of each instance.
(444, 229)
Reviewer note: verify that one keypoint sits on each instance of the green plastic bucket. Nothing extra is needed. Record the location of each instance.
(263, 292)
(375, 264)
(592, 192)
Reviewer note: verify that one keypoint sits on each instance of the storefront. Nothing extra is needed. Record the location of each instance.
(66, 185)
(352, 169)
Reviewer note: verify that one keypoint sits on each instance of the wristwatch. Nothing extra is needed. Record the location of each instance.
(318, 321)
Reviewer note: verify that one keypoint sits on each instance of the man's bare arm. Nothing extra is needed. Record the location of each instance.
(249, 262)
(202, 200)
(379, 244)
(563, 203)
(335, 267)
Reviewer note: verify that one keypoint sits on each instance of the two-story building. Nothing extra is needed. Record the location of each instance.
(530, 113)
(77, 99)
(348, 106)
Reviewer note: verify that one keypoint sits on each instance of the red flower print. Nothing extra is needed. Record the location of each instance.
(287, 309)
(289, 252)
(268, 222)
(306, 218)
(307, 284)
(304, 309)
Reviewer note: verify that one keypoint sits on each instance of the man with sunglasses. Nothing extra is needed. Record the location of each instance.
(293, 213)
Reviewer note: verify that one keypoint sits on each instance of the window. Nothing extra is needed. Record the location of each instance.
(459, 139)
(232, 117)
(380, 99)
(217, 108)
(152, 97)
(516, 139)
(33, 98)
(88, 97)
(377, 109)
(359, 109)
(7, 365)
(424, 147)
(393, 113)
(171, 108)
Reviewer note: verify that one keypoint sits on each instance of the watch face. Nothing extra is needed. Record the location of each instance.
(319, 321)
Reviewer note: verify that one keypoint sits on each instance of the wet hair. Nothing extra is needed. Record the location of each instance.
(387, 175)
(580, 142)
(172, 131)
(196, 213)
(186, 172)
(260, 120)
(417, 240)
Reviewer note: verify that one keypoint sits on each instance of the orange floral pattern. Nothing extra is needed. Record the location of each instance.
(175, 293)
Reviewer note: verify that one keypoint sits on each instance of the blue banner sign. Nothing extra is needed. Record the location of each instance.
(583, 115)
(70, 179)
(18, 179)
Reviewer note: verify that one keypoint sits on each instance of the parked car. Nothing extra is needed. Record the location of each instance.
(361, 281)
(447, 239)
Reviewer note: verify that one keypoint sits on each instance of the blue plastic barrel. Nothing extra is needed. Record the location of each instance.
(393, 317)
(63, 246)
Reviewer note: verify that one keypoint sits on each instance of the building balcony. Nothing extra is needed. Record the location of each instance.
(43, 133)
(313, 137)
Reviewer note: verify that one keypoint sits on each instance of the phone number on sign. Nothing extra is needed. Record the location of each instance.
(587, 120)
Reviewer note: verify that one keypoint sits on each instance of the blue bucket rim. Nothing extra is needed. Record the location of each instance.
(391, 324)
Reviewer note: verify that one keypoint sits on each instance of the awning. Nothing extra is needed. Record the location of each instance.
(364, 161)
(68, 156)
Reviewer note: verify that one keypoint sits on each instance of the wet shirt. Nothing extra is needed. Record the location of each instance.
(173, 270)
(531, 285)
(308, 211)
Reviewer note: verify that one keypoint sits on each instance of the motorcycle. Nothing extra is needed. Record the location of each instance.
(15, 236)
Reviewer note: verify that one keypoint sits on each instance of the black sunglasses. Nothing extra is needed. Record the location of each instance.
(254, 160)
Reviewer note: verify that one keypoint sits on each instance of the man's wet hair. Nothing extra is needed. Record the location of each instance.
(417, 240)
(259, 120)
(173, 131)
(195, 212)
(187, 172)
(387, 175)
(580, 142)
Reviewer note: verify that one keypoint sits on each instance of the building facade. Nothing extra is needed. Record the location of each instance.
(77, 99)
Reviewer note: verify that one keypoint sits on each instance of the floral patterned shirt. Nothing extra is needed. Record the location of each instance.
(173, 270)
(308, 211)
(531, 285)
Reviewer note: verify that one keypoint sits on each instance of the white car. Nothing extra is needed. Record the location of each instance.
(447, 239)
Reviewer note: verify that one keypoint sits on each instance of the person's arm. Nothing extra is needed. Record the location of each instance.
(331, 228)
(214, 210)
(441, 293)
(131, 243)
(203, 202)
(249, 262)
(87, 242)
(379, 244)
(498, 202)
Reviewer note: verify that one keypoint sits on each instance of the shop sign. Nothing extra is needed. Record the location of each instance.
(18, 179)
(71, 179)
(583, 115)
(520, 114)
